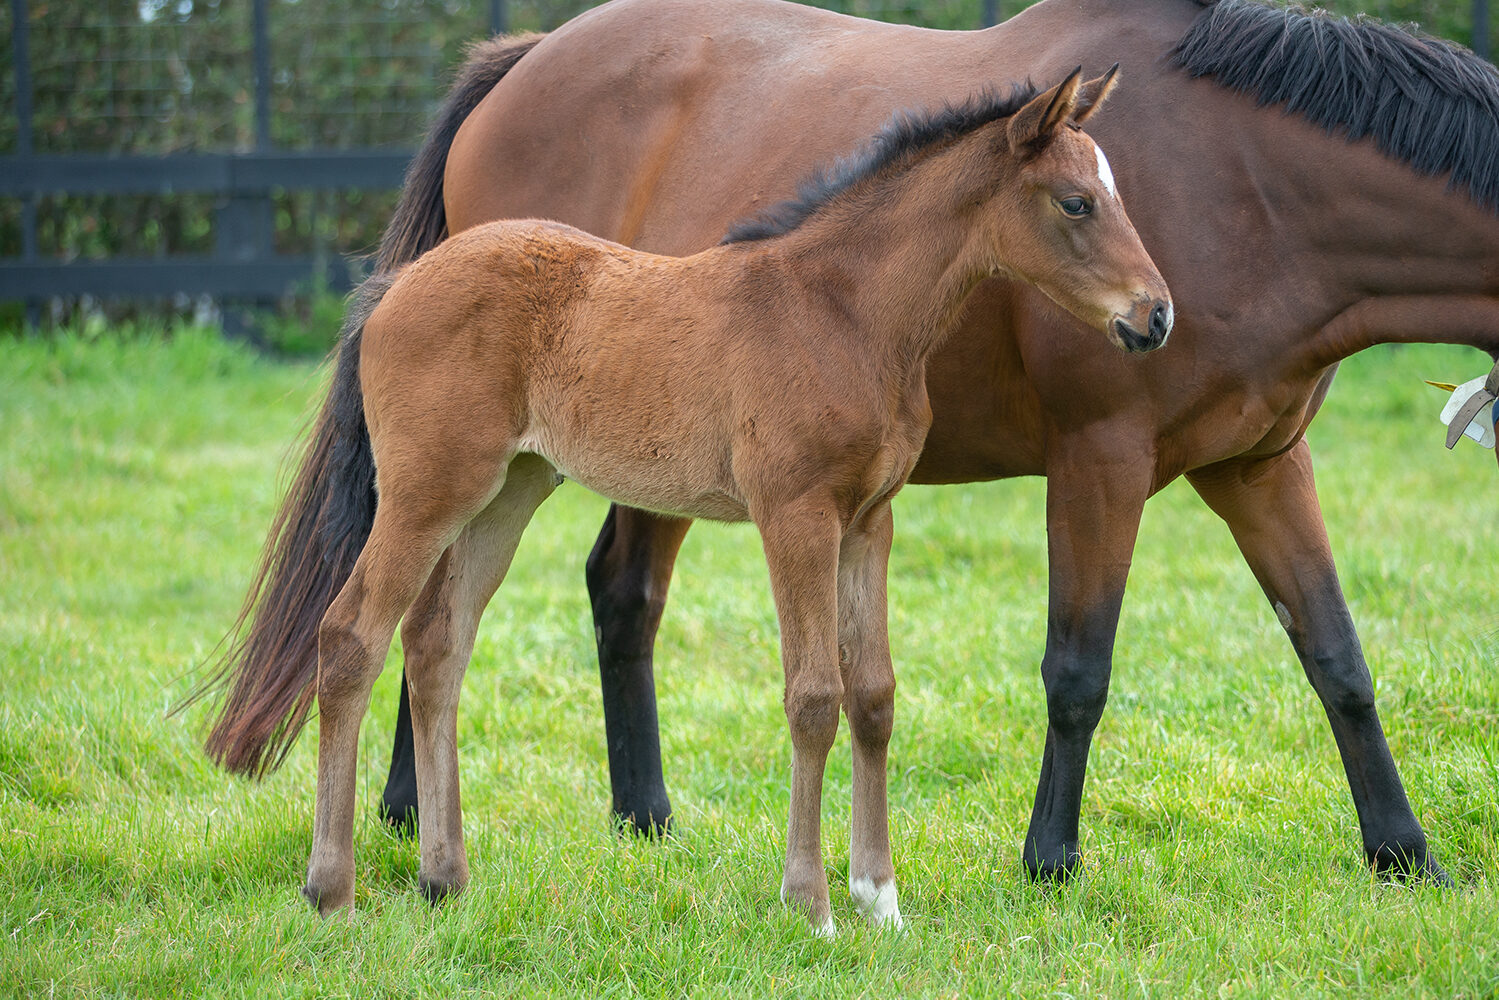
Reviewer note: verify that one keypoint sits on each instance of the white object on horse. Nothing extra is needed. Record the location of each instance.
(1481, 428)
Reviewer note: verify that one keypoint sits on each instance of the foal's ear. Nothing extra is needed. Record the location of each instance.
(1091, 95)
(1032, 127)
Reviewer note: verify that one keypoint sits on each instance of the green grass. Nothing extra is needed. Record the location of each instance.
(137, 477)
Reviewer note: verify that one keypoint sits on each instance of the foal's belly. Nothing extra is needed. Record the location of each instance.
(690, 486)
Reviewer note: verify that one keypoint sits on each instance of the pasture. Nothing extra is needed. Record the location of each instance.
(1221, 854)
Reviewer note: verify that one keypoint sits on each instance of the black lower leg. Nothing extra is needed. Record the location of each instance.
(1077, 687)
(398, 804)
(627, 607)
(1333, 659)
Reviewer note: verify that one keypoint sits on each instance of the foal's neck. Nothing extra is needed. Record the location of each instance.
(899, 253)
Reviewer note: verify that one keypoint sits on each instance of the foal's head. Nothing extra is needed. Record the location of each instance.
(1060, 225)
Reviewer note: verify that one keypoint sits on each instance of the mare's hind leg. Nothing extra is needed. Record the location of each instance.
(869, 703)
(628, 572)
(801, 549)
(1271, 508)
(438, 637)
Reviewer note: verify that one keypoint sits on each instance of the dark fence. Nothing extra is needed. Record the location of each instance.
(170, 148)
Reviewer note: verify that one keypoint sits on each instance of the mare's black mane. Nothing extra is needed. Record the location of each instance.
(1425, 101)
(905, 135)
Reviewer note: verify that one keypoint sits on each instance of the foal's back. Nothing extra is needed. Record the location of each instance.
(631, 373)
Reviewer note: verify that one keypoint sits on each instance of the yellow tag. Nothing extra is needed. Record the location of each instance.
(1444, 386)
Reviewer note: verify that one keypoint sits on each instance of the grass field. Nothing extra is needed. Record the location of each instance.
(1222, 854)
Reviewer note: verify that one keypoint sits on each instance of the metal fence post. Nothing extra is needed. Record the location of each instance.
(20, 43)
(992, 13)
(1481, 27)
(244, 225)
(499, 17)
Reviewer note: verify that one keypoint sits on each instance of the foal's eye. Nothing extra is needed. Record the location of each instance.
(1075, 208)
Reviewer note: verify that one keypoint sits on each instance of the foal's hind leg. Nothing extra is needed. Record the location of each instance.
(438, 637)
(869, 703)
(352, 640)
(424, 501)
(801, 549)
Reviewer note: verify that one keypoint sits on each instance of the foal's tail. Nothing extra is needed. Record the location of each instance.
(269, 661)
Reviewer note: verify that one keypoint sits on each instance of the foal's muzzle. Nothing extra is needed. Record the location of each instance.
(1154, 317)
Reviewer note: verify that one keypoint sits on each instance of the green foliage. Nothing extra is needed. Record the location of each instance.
(307, 324)
(137, 479)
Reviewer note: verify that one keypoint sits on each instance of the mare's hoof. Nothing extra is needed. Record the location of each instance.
(1410, 866)
(400, 817)
(1052, 866)
(652, 824)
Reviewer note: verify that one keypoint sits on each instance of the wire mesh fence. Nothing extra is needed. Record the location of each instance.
(155, 77)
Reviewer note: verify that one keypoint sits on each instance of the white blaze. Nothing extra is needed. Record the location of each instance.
(1104, 173)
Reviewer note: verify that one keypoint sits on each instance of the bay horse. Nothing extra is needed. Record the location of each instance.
(779, 377)
(1308, 186)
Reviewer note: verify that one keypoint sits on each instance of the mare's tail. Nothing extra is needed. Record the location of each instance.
(269, 662)
(421, 222)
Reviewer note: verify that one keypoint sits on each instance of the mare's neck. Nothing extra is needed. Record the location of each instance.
(1404, 258)
(895, 257)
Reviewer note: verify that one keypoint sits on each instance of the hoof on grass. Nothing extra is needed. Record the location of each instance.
(653, 823)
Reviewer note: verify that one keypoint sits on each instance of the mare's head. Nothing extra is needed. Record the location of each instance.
(1060, 225)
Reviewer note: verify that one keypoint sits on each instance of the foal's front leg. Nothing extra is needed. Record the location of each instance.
(869, 702)
(801, 549)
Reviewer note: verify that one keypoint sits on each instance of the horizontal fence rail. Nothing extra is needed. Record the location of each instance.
(167, 88)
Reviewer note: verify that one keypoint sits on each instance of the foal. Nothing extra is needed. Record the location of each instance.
(778, 378)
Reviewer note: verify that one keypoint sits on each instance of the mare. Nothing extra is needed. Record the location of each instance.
(779, 377)
(1309, 187)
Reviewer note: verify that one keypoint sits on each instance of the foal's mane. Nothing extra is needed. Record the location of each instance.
(1425, 101)
(906, 136)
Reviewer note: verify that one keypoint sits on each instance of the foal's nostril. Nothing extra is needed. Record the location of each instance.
(1160, 321)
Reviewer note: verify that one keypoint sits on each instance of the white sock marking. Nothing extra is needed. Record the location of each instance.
(878, 903)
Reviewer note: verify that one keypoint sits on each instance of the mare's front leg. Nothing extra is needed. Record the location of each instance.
(1095, 492)
(438, 637)
(628, 573)
(869, 703)
(1271, 507)
(801, 548)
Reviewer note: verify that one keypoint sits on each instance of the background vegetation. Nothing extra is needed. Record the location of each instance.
(137, 478)
(159, 76)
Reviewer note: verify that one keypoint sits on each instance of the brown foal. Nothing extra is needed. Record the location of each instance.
(779, 377)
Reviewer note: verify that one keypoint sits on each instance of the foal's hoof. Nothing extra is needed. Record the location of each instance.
(879, 903)
(328, 901)
(809, 896)
(437, 889)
